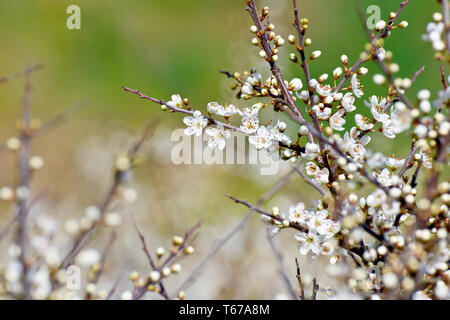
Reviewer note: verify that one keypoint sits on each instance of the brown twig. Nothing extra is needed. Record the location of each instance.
(293, 147)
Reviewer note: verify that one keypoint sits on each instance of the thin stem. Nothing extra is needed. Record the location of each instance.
(446, 17)
(281, 268)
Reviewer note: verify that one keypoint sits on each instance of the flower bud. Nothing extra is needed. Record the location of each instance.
(363, 71)
(344, 59)
(323, 78)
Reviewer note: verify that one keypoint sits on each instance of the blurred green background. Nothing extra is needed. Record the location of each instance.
(163, 47)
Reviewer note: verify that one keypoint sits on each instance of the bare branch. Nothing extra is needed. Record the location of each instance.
(20, 73)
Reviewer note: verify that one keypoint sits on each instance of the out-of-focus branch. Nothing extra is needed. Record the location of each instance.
(239, 226)
(444, 81)
(105, 204)
(60, 118)
(25, 71)
(97, 274)
(408, 162)
(150, 259)
(309, 181)
(380, 35)
(117, 281)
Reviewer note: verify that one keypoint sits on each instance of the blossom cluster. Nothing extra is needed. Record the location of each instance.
(374, 208)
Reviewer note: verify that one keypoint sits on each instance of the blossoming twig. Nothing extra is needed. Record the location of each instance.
(309, 181)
